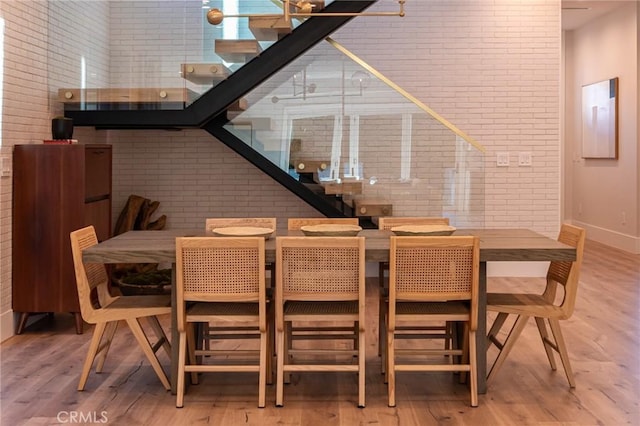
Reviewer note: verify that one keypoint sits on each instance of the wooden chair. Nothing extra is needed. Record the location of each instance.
(297, 332)
(445, 332)
(223, 281)
(432, 279)
(388, 222)
(295, 223)
(560, 276)
(319, 279)
(225, 332)
(92, 277)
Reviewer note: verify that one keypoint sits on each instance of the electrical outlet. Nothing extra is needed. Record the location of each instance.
(524, 159)
(502, 159)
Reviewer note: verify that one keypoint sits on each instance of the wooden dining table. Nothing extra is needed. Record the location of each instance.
(496, 245)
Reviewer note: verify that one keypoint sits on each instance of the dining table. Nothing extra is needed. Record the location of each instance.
(496, 245)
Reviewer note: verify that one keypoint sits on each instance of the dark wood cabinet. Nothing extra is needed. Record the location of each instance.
(56, 189)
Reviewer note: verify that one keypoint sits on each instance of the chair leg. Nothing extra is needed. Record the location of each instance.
(391, 369)
(280, 334)
(466, 349)
(182, 349)
(516, 330)
(492, 336)
(91, 353)
(361, 369)
(473, 368)
(137, 331)
(192, 338)
(157, 329)
(562, 350)
(271, 348)
(544, 335)
(110, 331)
(381, 270)
(356, 336)
(382, 312)
(205, 336)
(288, 340)
(262, 378)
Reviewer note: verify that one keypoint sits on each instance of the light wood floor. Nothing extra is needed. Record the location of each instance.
(40, 370)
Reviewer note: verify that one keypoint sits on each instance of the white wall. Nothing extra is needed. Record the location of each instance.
(603, 195)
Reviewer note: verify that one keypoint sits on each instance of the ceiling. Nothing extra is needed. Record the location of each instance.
(576, 13)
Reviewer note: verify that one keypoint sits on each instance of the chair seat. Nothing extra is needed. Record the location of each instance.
(432, 308)
(125, 307)
(130, 302)
(523, 304)
(205, 311)
(321, 308)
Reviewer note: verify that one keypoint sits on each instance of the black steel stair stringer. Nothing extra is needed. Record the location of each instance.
(216, 129)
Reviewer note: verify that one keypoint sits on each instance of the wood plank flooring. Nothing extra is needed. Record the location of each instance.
(39, 372)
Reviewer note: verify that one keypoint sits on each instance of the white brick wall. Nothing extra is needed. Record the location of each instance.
(492, 68)
(24, 101)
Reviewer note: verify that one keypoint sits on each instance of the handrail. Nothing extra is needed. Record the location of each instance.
(406, 94)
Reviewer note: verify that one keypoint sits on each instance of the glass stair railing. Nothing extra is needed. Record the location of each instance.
(173, 67)
(352, 137)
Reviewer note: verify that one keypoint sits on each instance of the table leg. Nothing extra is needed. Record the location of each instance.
(481, 333)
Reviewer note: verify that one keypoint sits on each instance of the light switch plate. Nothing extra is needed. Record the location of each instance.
(502, 159)
(524, 159)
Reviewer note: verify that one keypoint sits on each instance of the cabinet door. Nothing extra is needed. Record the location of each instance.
(98, 214)
(98, 172)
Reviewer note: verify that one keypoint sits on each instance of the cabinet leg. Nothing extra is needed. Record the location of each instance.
(22, 322)
(79, 322)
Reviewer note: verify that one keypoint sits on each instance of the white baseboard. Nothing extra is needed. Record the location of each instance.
(6, 325)
(611, 238)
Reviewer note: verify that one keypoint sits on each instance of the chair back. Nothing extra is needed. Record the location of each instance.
(226, 269)
(566, 274)
(90, 277)
(388, 222)
(295, 223)
(225, 222)
(435, 268)
(320, 268)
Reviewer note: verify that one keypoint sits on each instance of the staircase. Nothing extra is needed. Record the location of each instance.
(180, 108)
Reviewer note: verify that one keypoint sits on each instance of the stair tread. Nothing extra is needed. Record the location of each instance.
(307, 165)
(126, 95)
(334, 188)
(237, 51)
(204, 73)
(269, 27)
(367, 207)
